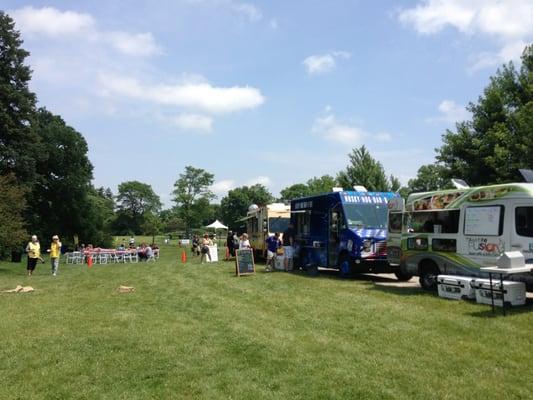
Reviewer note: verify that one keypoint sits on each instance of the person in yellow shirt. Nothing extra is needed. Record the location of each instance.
(55, 253)
(33, 249)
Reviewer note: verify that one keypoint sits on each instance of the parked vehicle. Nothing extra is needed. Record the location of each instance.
(458, 231)
(262, 222)
(345, 230)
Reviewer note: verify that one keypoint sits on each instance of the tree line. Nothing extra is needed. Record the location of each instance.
(46, 175)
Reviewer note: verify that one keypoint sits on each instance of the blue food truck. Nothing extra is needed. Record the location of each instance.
(345, 230)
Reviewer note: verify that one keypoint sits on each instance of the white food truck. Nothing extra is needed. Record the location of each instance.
(262, 222)
(458, 231)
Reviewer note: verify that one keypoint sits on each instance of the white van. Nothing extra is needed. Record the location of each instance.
(458, 231)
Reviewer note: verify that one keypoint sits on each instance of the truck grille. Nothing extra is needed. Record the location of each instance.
(381, 248)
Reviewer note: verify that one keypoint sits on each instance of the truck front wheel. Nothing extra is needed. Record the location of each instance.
(402, 276)
(428, 275)
(345, 266)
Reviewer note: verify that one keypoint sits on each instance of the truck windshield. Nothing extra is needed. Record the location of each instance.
(278, 224)
(359, 216)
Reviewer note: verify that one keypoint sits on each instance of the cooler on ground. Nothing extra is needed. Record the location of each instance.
(279, 263)
(455, 287)
(514, 293)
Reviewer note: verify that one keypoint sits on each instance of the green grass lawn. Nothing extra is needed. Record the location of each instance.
(197, 331)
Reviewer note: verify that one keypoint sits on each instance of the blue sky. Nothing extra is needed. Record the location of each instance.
(273, 92)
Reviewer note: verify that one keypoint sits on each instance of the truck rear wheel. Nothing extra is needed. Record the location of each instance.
(428, 275)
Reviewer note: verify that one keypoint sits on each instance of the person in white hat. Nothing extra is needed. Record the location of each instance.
(55, 253)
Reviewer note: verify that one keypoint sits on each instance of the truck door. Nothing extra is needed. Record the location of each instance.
(522, 230)
(334, 234)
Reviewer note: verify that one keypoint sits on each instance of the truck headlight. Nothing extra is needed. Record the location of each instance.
(367, 245)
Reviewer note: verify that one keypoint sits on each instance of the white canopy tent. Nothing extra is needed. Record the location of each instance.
(217, 225)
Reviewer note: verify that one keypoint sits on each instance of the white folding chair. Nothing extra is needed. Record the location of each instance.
(103, 258)
(134, 257)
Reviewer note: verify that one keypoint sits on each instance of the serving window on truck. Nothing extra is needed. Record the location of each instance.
(432, 221)
(484, 221)
(524, 221)
(395, 222)
(278, 224)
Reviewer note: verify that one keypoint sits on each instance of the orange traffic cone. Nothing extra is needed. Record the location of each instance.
(90, 261)
(183, 256)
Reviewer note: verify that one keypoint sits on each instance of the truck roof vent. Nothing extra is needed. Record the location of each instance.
(358, 188)
(527, 174)
(337, 189)
(460, 184)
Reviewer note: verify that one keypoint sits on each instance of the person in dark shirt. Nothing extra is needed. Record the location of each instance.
(288, 247)
(273, 244)
(230, 244)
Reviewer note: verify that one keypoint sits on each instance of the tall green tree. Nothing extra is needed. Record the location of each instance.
(19, 144)
(234, 205)
(365, 171)
(429, 177)
(192, 195)
(12, 204)
(322, 184)
(135, 202)
(313, 186)
(57, 201)
(97, 218)
(499, 139)
(294, 191)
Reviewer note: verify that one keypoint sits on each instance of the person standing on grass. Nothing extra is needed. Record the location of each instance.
(273, 244)
(288, 243)
(244, 243)
(55, 253)
(204, 248)
(33, 248)
(230, 245)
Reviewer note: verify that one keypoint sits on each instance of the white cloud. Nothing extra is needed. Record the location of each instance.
(193, 122)
(51, 22)
(223, 186)
(261, 180)
(383, 137)
(330, 128)
(195, 95)
(450, 112)
(138, 44)
(509, 23)
(80, 27)
(273, 24)
(322, 63)
(252, 12)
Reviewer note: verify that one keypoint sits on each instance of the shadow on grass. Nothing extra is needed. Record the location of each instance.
(403, 290)
(516, 310)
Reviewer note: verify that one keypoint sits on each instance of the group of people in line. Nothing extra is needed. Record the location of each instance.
(33, 249)
(276, 245)
(201, 247)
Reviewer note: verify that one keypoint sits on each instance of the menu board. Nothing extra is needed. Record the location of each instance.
(245, 262)
(482, 221)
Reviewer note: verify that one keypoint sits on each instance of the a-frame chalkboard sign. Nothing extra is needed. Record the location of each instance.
(244, 261)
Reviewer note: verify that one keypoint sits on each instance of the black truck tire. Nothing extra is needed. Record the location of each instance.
(402, 276)
(428, 275)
